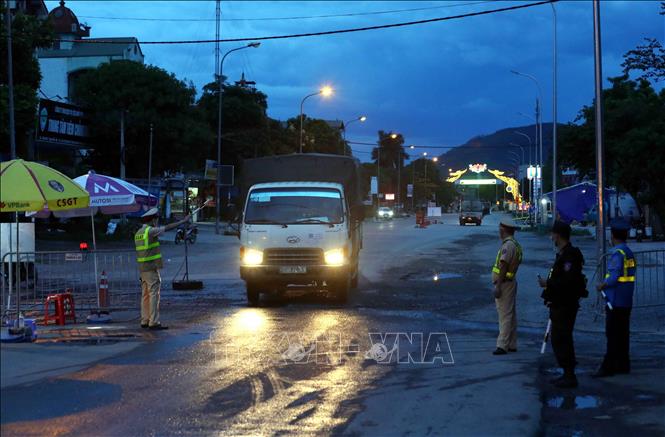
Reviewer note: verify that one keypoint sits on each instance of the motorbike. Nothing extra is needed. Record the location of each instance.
(189, 233)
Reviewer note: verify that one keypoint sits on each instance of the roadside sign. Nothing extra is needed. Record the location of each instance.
(409, 190)
(374, 186)
(73, 256)
(390, 196)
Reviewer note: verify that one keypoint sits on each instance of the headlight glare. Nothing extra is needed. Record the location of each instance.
(334, 257)
(252, 257)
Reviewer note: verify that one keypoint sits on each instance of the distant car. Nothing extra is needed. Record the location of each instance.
(471, 211)
(384, 213)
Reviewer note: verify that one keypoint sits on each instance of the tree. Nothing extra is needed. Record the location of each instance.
(28, 35)
(246, 126)
(634, 139)
(320, 137)
(147, 95)
(648, 58)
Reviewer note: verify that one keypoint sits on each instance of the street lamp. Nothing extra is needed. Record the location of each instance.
(326, 91)
(252, 45)
(539, 120)
(361, 119)
(528, 138)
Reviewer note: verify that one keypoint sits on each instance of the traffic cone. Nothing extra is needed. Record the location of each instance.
(103, 291)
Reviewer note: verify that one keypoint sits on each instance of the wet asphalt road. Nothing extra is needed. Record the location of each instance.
(396, 360)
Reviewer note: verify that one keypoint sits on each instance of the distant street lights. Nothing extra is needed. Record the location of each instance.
(252, 45)
(539, 123)
(530, 143)
(361, 119)
(326, 91)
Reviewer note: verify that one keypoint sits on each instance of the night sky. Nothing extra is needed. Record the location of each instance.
(437, 84)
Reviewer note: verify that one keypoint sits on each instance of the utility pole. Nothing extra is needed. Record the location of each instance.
(218, 15)
(10, 83)
(555, 168)
(378, 174)
(399, 181)
(600, 159)
(122, 144)
(150, 162)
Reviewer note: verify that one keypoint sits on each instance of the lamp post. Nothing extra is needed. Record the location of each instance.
(555, 169)
(530, 144)
(539, 122)
(218, 203)
(325, 92)
(361, 119)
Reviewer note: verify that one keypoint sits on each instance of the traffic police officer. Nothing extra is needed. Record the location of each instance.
(505, 287)
(149, 258)
(618, 286)
(562, 290)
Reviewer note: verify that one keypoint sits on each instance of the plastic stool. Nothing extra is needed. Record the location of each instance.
(64, 308)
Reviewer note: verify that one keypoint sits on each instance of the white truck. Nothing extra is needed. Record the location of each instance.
(301, 226)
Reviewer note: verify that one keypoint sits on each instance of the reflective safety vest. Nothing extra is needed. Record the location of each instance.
(496, 269)
(629, 266)
(148, 254)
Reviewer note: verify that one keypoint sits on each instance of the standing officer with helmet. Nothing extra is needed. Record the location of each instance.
(563, 288)
(505, 287)
(149, 258)
(618, 286)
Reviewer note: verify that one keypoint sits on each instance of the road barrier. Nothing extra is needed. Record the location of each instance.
(649, 280)
(45, 273)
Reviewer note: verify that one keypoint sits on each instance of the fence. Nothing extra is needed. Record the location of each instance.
(649, 280)
(44, 273)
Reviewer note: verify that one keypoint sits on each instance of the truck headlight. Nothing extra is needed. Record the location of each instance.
(251, 257)
(334, 257)
(391, 213)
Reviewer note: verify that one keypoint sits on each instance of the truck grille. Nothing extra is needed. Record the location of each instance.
(294, 256)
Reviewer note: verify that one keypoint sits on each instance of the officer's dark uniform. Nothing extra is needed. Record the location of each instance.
(619, 285)
(565, 286)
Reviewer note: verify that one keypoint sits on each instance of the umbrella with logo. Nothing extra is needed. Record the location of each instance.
(29, 186)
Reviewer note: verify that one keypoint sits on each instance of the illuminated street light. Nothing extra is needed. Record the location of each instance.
(251, 45)
(435, 159)
(361, 119)
(393, 136)
(325, 91)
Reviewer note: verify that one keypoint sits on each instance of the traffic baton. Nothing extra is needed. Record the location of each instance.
(609, 305)
(547, 335)
(207, 203)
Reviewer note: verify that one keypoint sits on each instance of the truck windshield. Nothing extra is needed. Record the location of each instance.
(294, 206)
(471, 206)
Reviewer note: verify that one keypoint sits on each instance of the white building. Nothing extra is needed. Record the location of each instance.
(61, 64)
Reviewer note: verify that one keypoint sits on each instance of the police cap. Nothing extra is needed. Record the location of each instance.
(620, 224)
(561, 228)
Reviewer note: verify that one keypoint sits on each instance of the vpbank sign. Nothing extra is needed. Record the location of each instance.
(106, 188)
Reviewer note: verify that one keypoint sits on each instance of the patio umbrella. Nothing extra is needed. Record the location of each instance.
(29, 186)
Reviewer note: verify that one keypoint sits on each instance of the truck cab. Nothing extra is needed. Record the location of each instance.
(299, 234)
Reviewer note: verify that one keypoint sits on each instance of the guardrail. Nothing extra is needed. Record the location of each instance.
(649, 280)
(44, 273)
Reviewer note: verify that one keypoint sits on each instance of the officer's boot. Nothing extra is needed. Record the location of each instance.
(569, 380)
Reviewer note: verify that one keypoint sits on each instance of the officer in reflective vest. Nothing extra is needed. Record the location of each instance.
(619, 285)
(149, 258)
(505, 267)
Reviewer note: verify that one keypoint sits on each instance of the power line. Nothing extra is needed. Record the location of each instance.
(350, 14)
(330, 32)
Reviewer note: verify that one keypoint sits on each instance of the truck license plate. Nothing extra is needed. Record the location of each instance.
(293, 269)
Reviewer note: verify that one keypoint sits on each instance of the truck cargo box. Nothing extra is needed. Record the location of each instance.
(307, 167)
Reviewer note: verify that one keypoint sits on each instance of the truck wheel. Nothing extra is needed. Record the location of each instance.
(253, 294)
(341, 290)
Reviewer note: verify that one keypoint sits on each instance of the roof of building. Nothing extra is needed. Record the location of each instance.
(105, 47)
(65, 22)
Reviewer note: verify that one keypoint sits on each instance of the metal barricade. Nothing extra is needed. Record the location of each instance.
(649, 280)
(44, 273)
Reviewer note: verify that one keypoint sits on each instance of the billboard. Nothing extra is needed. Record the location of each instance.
(210, 173)
(62, 124)
(409, 190)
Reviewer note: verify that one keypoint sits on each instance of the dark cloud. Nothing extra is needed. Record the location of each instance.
(438, 84)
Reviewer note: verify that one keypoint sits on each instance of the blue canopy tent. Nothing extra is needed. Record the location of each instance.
(576, 202)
